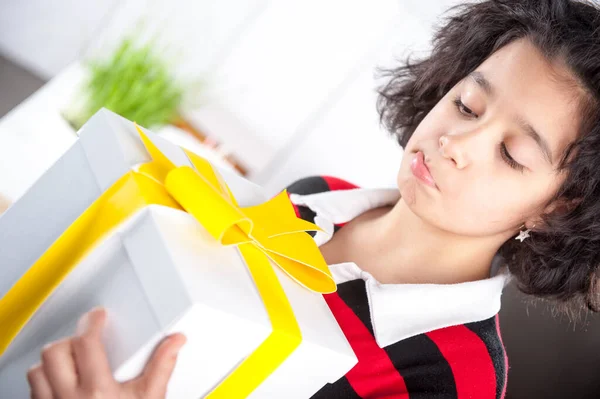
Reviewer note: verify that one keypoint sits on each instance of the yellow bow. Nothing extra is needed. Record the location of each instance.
(272, 226)
(266, 231)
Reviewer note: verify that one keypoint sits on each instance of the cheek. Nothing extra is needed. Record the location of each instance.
(472, 209)
(436, 122)
(493, 208)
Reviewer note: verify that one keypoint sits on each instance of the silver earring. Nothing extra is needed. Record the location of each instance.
(523, 234)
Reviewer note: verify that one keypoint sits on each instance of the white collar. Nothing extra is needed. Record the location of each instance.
(400, 311)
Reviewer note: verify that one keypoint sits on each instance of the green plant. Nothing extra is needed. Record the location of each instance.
(135, 83)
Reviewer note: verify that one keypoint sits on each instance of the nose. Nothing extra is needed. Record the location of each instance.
(451, 148)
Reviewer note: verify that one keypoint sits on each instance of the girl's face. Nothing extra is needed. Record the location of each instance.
(492, 145)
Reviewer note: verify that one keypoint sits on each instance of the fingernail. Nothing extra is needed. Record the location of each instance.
(182, 341)
(97, 309)
(35, 366)
(52, 343)
(84, 322)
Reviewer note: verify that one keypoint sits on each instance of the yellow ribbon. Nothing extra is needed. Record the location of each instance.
(269, 231)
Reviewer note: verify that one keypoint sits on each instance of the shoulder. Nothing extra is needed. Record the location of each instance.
(313, 185)
(487, 333)
(466, 360)
(318, 184)
(476, 356)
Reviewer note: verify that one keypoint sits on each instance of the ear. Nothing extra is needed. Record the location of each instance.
(560, 206)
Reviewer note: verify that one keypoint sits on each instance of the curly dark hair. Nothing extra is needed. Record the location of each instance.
(562, 258)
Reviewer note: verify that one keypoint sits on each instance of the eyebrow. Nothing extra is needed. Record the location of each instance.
(482, 82)
(487, 87)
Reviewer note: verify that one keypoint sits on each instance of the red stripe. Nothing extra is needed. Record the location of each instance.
(336, 183)
(374, 376)
(505, 356)
(467, 356)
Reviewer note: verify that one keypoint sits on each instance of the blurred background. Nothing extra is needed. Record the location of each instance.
(276, 90)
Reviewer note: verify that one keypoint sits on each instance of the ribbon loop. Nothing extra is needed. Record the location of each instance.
(223, 220)
(272, 226)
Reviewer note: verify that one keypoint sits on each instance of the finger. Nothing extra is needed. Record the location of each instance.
(155, 377)
(59, 367)
(90, 355)
(40, 387)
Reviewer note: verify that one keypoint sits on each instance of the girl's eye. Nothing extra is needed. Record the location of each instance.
(463, 109)
(509, 159)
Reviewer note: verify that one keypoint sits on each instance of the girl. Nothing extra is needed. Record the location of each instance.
(500, 178)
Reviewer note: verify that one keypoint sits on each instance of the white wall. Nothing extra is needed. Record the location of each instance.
(346, 139)
(271, 66)
(289, 83)
(46, 36)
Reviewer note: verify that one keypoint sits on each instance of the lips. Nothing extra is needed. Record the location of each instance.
(420, 170)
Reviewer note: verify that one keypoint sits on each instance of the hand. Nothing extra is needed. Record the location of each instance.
(78, 367)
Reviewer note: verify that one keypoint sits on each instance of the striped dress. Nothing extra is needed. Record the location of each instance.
(461, 361)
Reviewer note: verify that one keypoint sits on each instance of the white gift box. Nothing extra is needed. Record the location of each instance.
(159, 272)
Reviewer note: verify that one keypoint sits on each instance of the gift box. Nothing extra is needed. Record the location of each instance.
(202, 252)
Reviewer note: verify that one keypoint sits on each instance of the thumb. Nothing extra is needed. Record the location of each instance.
(152, 383)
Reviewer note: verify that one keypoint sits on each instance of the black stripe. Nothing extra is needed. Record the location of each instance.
(426, 372)
(341, 389)
(307, 214)
(354, 294)
(305, 186)
(487, 331)
(308, 185)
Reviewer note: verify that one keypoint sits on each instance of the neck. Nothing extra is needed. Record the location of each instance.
(426, 254)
